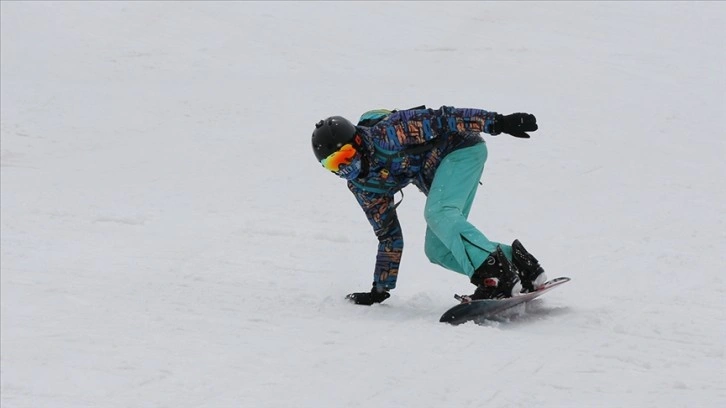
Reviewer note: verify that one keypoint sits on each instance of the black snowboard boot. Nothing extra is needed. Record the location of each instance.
(530, 272)
(496, 278)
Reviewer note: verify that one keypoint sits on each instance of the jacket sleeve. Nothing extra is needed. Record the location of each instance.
(416, 126)
(381, 214)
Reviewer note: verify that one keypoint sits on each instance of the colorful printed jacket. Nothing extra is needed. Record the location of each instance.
(406, 147)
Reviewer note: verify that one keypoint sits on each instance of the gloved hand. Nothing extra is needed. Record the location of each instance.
(515, 124)
(369, 298)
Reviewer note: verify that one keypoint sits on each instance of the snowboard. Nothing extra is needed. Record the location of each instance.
(486, 309)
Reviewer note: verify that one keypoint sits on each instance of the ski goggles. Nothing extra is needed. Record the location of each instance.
(342, 157)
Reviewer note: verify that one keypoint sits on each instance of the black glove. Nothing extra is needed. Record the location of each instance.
(369, 298)
(515, 124)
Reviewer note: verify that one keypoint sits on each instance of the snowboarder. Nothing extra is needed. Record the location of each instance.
(442, 152)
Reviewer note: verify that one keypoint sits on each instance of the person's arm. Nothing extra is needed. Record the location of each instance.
(416, 126)
(381, 213)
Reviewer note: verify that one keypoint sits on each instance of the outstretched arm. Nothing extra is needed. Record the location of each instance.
(416, 126)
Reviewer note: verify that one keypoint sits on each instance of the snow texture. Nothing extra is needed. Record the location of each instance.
(168, 239)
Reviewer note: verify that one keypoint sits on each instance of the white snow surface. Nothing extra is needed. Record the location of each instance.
(168, 239)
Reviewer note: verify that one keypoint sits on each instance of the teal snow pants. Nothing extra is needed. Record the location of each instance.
(451, 241)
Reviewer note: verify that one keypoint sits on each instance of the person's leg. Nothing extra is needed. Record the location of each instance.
(451, 241)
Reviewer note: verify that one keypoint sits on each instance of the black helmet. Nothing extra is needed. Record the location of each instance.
(330, 135)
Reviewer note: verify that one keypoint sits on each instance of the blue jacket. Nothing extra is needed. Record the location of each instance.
(406, 147)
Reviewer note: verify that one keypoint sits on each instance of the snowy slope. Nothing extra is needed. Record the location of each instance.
(168, 239)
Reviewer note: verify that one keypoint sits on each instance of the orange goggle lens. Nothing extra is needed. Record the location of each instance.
(342, 157)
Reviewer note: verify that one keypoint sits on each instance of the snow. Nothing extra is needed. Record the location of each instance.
(168, 239)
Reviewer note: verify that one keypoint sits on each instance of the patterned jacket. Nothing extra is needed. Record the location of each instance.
(406, 147)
